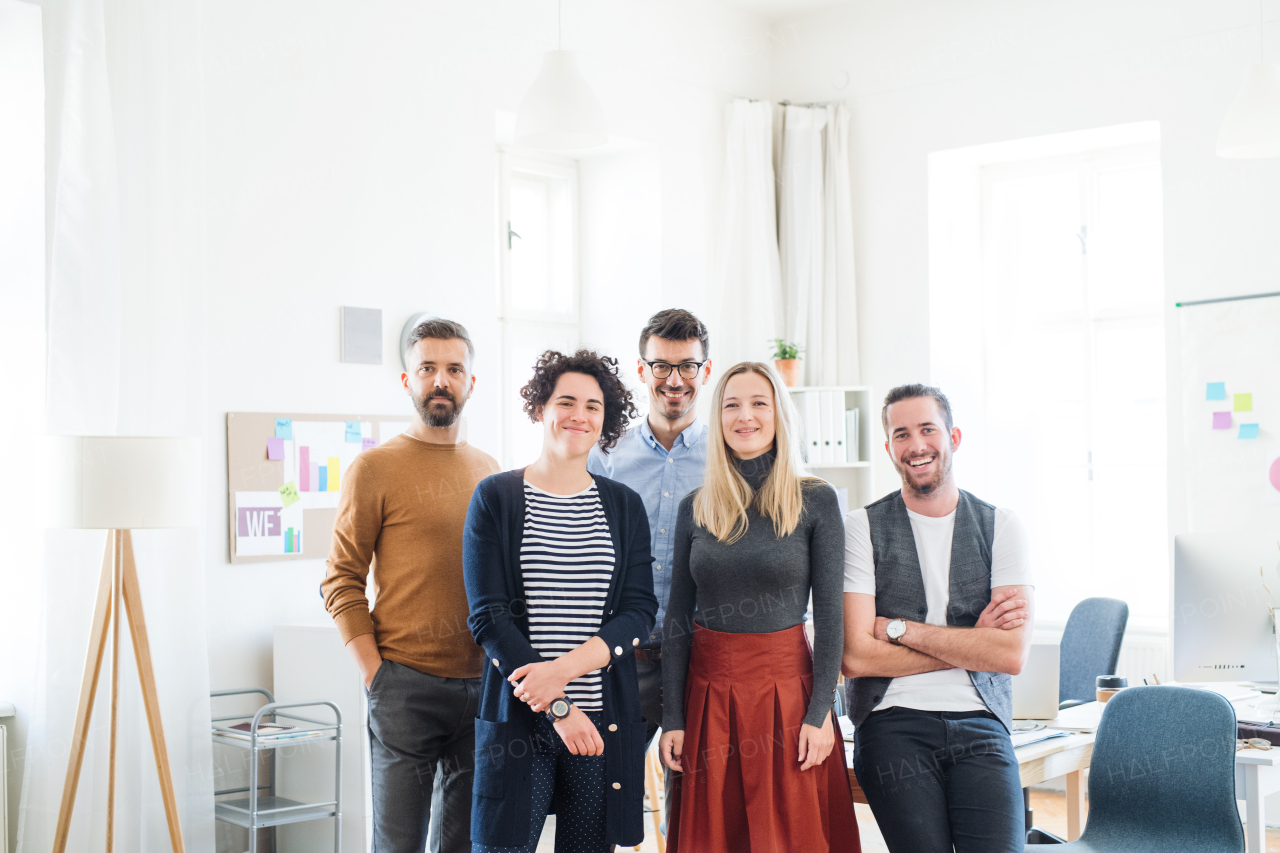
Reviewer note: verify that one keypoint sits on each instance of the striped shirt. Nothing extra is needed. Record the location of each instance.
(566, 561)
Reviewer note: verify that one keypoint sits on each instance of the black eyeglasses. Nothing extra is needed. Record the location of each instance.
(662, 369)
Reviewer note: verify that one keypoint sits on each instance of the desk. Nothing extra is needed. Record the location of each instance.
(1037, 762)
(1256, 776)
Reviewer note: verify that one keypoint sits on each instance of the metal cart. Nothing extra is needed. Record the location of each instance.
(257, 811)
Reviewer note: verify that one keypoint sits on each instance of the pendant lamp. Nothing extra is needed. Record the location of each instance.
(1251, 127)
(560, 110)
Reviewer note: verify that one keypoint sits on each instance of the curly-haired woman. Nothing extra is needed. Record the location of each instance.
(557, 570)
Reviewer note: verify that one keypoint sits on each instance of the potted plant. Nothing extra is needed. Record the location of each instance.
(786, 357)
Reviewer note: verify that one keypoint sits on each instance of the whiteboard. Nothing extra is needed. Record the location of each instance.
(1231, 481)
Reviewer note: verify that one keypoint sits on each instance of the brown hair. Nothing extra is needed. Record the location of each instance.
(619, 408)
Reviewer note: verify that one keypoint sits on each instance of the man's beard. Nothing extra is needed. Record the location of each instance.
(434, 414)
(941, 470)
(665, 409)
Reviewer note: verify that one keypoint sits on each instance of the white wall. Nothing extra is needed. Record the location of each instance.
(22, 349)
(927, 75)
(350, 161)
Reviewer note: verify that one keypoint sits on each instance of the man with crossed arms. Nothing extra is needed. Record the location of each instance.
(938, 616)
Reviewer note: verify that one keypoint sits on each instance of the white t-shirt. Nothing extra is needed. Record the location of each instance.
(946, 689)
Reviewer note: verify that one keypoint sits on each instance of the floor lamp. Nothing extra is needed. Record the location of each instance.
(121, 484)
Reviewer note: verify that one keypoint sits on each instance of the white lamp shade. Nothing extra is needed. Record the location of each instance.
(1251, 128)
(560, 111)
(124, 483)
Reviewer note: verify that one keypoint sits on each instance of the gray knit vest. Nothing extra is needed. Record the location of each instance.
(900, 591)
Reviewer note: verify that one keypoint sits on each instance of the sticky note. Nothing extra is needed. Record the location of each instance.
(333, 474)
(275, 448)
(1244, 403)
(353, 431)
(1248, 431)
(289, 494)
(1273, 475)
(366, 443)
(1216, 391)
(1222, 420)
(284, 428)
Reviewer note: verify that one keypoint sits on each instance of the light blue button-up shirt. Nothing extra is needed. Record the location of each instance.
(662, 478)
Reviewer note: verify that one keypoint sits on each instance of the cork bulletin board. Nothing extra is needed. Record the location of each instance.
(284, 473)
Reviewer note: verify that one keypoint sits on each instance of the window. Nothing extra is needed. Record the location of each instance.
(538, 281)
(1072, 282)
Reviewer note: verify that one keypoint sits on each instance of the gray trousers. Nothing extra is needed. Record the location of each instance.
(649, 676)
(422, 739)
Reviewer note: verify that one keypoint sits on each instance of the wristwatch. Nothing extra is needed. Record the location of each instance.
(895, 629)
(559, 709)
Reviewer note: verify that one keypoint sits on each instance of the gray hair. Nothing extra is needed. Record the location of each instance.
(439, 329)
(915, 389)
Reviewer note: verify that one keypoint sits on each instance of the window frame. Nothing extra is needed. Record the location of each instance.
(518, 326)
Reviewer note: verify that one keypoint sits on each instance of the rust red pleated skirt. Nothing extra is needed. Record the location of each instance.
(742, 790)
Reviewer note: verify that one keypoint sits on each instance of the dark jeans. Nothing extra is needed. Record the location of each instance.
(574, 783)
(422, 736)
(936, 779)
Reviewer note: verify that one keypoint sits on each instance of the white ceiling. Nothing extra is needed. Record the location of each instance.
(780, 8)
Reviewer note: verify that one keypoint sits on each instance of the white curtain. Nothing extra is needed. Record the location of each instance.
(789, 271)
(750, 283)
(815, 240)
(126, 349)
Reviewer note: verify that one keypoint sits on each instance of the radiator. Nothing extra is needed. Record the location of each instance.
(1143, 655)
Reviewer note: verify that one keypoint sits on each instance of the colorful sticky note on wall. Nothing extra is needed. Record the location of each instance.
(1273, 475)
(366, 443)
(1248, 431)
(332, 484)
(1244, 403)
(275, 448)
(353, 431)
(289, 494)
(1216, 391)
(284, 428)
(1222, 420)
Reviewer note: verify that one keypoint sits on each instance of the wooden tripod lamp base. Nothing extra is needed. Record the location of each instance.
(119, 581)
(119, 484)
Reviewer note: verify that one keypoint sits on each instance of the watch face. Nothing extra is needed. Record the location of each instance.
(896, 628)
(559, 708)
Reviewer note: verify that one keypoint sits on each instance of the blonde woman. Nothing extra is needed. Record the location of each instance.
(747, 716)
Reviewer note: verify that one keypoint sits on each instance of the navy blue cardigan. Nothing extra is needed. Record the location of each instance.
(502, 795)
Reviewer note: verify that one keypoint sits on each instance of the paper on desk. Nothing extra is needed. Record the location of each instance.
(1080, 718)
(1028, 738)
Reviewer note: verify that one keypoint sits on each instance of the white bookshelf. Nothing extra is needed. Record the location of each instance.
(855, 476)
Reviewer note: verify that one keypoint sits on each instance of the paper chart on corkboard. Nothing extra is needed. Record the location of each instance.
(284, 474)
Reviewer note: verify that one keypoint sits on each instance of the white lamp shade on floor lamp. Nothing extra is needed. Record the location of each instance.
(1251, 128)
(123, 483)
(560, 111)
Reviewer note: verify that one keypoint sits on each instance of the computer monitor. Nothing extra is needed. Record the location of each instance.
(1221, 628)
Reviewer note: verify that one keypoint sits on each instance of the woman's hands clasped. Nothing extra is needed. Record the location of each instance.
(539, 684)
(580, 734)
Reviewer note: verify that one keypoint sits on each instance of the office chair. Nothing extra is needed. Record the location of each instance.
(1090, 647)
(1163, 775)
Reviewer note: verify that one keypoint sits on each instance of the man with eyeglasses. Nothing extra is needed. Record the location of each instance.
(663, 458)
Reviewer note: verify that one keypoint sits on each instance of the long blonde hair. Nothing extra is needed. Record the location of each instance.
(721, 504)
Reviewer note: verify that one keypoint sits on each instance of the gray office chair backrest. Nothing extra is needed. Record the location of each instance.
(1162, 775)
(1090, 646)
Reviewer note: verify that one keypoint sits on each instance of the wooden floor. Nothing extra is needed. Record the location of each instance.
(1050, 810)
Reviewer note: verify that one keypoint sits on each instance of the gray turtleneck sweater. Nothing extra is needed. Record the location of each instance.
(757, 585)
